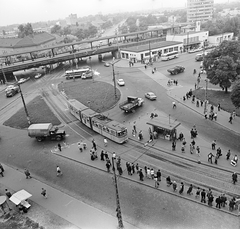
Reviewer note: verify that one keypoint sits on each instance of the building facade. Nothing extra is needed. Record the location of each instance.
(217, 39)
(199, 10)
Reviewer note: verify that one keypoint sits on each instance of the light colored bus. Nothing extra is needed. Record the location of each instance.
(77, 73)
(169, 56)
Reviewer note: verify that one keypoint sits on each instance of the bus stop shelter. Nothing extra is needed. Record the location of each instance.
(162, 128)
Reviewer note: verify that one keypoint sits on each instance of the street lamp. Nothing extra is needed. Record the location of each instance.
(24, 104)
(114, 78)
(205, 103)
(118, 210)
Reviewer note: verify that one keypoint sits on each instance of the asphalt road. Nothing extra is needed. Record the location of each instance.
(142, 206)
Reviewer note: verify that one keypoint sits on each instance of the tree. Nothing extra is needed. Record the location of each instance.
(56, 29)
(222, 64)
(235, 94)
(66, 30)
(92, 30)
(133, 28)
(25, 30)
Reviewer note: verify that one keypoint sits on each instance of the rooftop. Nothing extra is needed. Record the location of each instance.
(157, 45)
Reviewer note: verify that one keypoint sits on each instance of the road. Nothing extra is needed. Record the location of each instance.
(142, 206)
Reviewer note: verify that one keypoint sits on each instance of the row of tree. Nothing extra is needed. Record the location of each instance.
(222, 66)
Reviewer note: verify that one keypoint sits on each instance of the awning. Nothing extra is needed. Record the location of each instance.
(192, 43)
(164, 124)
(20, 196)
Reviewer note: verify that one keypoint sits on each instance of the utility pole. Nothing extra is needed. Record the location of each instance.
(25, 107)
(205, 103)
(150, 57)
(118, 210)
(114, 78)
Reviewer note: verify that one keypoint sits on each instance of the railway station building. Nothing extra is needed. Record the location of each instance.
(141, 53)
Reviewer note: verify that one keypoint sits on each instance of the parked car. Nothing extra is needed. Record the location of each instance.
(23, 80)
(195, 50)
(150, 95)
(106, 64)
(39, 75)
(11, 90)
(176, 70)
(120, 82)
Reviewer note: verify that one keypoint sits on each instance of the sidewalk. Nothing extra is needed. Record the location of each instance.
(63, 205)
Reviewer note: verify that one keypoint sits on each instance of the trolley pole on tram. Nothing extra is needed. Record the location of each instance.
(118, 209)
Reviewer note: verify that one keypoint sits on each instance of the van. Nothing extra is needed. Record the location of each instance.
(199, 57)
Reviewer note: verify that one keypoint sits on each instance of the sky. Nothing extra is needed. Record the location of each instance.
(24, 11)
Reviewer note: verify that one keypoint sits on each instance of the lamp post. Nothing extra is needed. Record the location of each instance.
(114, 78)
(24, 104)
(118, 210)
(205, 103)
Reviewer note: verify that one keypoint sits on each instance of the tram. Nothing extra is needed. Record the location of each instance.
(100, 123)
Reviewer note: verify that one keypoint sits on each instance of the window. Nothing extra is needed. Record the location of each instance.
(170, 49)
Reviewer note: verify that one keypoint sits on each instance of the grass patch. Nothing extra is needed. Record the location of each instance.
(99, 96)
(215, 97)
(39, 112)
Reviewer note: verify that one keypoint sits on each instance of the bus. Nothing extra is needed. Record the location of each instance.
(77, 73)
(169, 56)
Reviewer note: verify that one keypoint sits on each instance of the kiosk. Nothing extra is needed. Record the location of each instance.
(163, 128)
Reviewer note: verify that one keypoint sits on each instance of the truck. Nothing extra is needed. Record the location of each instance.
(131, 103)
(11, 90)
(42, 131)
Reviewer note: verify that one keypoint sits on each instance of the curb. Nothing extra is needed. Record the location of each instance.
(147, 185)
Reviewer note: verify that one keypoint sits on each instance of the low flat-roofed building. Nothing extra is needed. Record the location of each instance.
(217, 39)
(152, 50)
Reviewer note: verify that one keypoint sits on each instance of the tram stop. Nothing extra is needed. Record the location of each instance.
(163, 128)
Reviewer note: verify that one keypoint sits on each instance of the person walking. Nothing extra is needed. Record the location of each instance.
(141, 176)
(159, 175)
(59, 172)
(1, 171)
(59, 147)
(210, 200)
(94, 145)
(203, 196)
(80, 146)
(198, 151)
(148, 173)
(156, 181)
(223, 200)
(219, 107)
(133, 168)
(137, 167)
(189, 191)
(234, 178)
(174, 105)
(230, 118)
(8, 193)
(210, 156)
(44, 193)
(108, 165)
(102, 154)
(27, 173)
(214, 144)
(181, 188)
(228, 154)
(218, 202)
(174, 185)
(120, 171)
(152, 173)
(198, 192)
(105, 142)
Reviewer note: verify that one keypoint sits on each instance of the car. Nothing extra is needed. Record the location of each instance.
(120, 82)
(195, 50)
(150, 95)
(199, 57)
(106, 64)
(11, 90)
(39, 75)
(23, 80)
(176, 70)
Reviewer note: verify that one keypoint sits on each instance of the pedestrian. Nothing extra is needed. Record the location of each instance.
(219, 107)
(159, 175)
(168, 180)
(174, 185)
(106, 155)
(203, 196)
(1, 171)
(234, 178)
(219, 152)
(173, 145)
(198, 151)
(174, 105)
(27, 173)
(234, 114)
(181, 188)
(218, 202)
(214, 144)
(223, 200)
(59, 147)
(102, 155)
(216, 159)
(183, 148)
(84, 145)
(210, 200)
(230, 119)
(59, 172)
(141, 176)
(129, 169)
(148, 173)
(156, 181)
(197, 103)
(145, 169)
(228, 154)
(197, 193)
(105, 142)
(152, 71)
(133, 168)
(120, 171)
(8, 193)
(215, 116)
(134, 128)
(210, 156)
(94, 145)
(191, 148)
(44, 193)
(145, 66)
(108, 165)
(137, 167)
(152, 173)
(189, 191)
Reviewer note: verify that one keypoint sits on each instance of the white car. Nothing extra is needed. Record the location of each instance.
(120, 82)
(106, 64)
(150, 95)
(22, 80)
(38, 76)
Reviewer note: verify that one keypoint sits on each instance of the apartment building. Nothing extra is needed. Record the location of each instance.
(199, 10)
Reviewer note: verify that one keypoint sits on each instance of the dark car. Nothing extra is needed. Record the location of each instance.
(176, 70)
